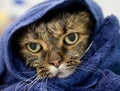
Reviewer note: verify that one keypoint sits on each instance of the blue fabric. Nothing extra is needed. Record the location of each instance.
(100, 68)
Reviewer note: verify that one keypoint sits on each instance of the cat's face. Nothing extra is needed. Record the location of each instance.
(55, 48)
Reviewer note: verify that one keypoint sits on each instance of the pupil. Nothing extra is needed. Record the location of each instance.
(33, 46)
(71, 37)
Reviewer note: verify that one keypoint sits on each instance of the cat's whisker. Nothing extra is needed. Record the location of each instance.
(32, 83)
(84, 68)
(22, 83)
(92, 69)
(99, 70)
(43, 83)
(28, 84)
(87, 69)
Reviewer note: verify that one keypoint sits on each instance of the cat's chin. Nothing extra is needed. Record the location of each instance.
(60, 72)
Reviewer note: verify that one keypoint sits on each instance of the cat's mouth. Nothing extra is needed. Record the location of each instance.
(61, 72)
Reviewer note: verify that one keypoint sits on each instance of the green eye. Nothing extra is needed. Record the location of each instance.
(71, 38)
(34, 47)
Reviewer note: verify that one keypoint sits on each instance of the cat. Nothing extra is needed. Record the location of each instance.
(54, 48)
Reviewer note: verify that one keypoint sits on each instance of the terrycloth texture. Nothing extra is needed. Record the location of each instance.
(100, 68)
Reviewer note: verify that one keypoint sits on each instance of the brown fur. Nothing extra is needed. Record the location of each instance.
(51, 36)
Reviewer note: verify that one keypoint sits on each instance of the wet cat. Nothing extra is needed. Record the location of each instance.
(54, 48)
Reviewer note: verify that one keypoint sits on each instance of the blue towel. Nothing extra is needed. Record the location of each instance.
(99, 70)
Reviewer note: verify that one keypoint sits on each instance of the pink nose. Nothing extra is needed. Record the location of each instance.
(55, 58)
(56, 62)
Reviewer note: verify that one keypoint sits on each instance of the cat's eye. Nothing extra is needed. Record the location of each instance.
(34, 47)
(71, 38)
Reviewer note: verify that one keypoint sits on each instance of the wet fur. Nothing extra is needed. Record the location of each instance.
(51, 36)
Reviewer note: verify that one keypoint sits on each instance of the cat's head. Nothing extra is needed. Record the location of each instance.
(54, 48)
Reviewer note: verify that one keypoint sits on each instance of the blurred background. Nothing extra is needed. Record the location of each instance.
(13, 9)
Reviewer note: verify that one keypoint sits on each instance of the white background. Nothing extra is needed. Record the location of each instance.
(110, 7)
(10, 11)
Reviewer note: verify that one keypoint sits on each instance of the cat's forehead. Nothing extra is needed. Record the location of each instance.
(59, 26)
(51, 29)
(45, 32)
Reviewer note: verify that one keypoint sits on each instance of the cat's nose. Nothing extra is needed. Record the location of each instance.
(55, 59)
(56, 62)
